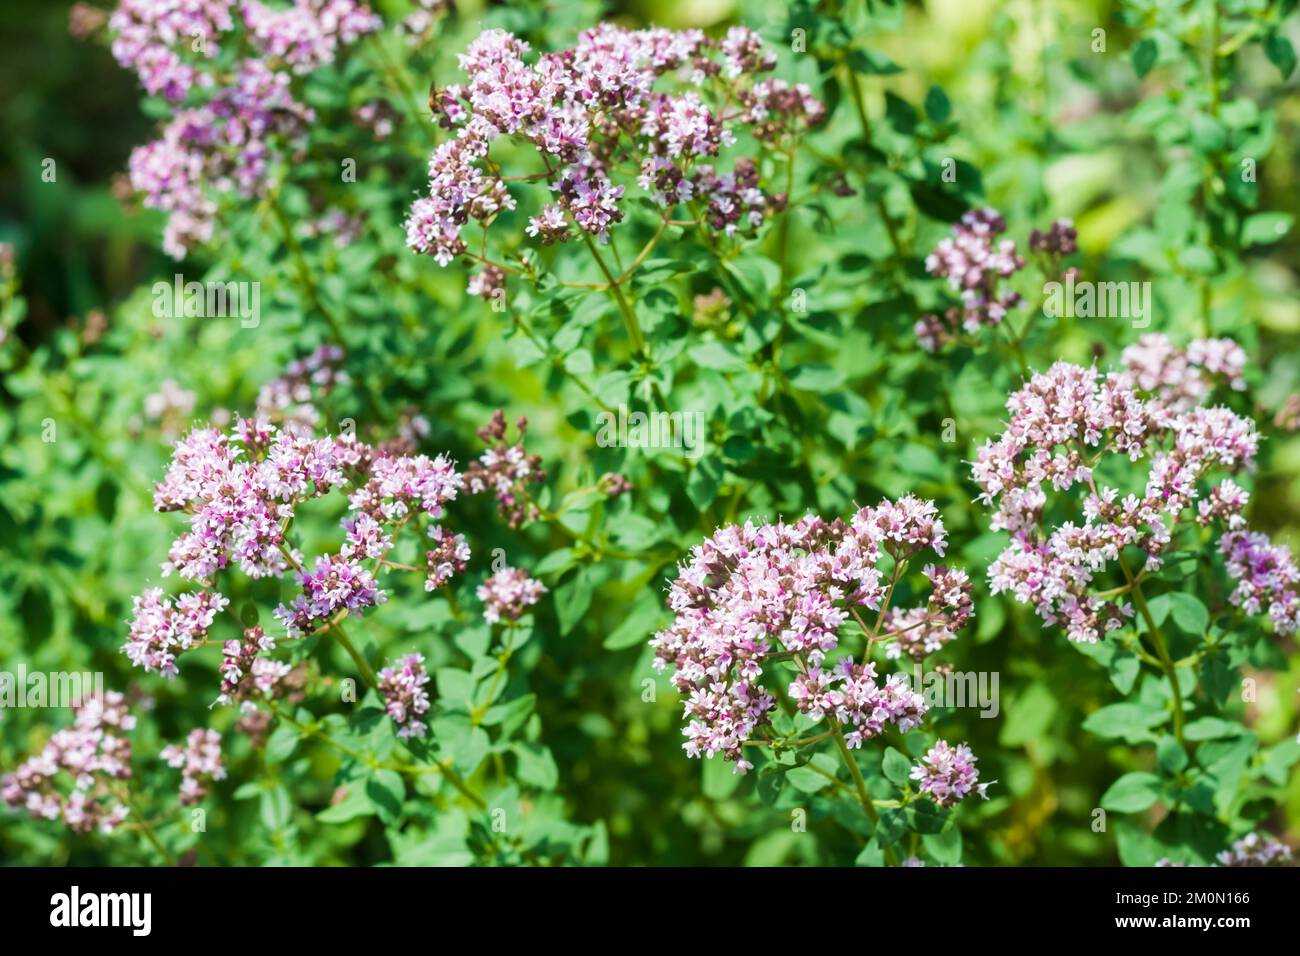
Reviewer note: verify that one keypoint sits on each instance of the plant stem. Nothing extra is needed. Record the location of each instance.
(1162, 648)
(864, 797)
(367, 674)
(629, 316)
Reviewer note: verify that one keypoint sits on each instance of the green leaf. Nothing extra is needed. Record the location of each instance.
(1131, 722)
(536, 766)
(638, 624)
(896, 767)
(281, 743)
(386, 790)
(871, 855)
(872, 63)
(1280, 53)
(1211, 728)
(572, 599)
(720, 356)
(944, 848)
(455, 688)
(1265, 228)
(1144, 55)
(1132, 793)
(1170, 755)
(1189, 613)
(807, 780)
(815, 377)
(937, 106)
(355, 803)
(1029, 717)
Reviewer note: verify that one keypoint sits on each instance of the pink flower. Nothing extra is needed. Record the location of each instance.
(947, 774)
(71, 778)
(506, 593)
(199, 762)
(755, 591)
(405, 699)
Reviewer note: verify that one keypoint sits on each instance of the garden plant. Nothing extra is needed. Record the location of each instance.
(669, 433)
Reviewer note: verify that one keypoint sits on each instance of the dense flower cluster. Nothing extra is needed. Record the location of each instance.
(225, 142)
(161, 628)
(1256, 850)
(1266, 576)
(592, 110)
(1063, 422)
(975, 262)
(754, 591)
(506, 469)
(1060, 240)
(199, 762)
(149, 36)
(308, 34)
(850, 694)
(924, 630)
(92, 754)
(947, 774)
(405, 699)
(241, 490)
(246, 671)
(506, 593)
(337, 583)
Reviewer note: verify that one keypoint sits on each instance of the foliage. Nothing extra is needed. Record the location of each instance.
(1168, 139)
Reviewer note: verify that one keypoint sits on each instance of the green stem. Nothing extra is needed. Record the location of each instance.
(1161, 647)
(629, 316)
(367, 674)
(864, 796)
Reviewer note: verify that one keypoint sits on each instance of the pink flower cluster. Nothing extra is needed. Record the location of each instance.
(947, 774)
(92, 753)
(162, 628)
(506, 469)
(151, 35)
(923, 630)
(308, 34)
(593, 109)
(226, 142)
(507, 593)
(754, 591)
(290, 398)
(405, 699)
(241, 491)
(336, 584)
(974, 261)
(199, 762)
(1266, 576)
(1256, 850)
(246, 673)
(1063, 423)
(850, 694)
(1181, 378)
